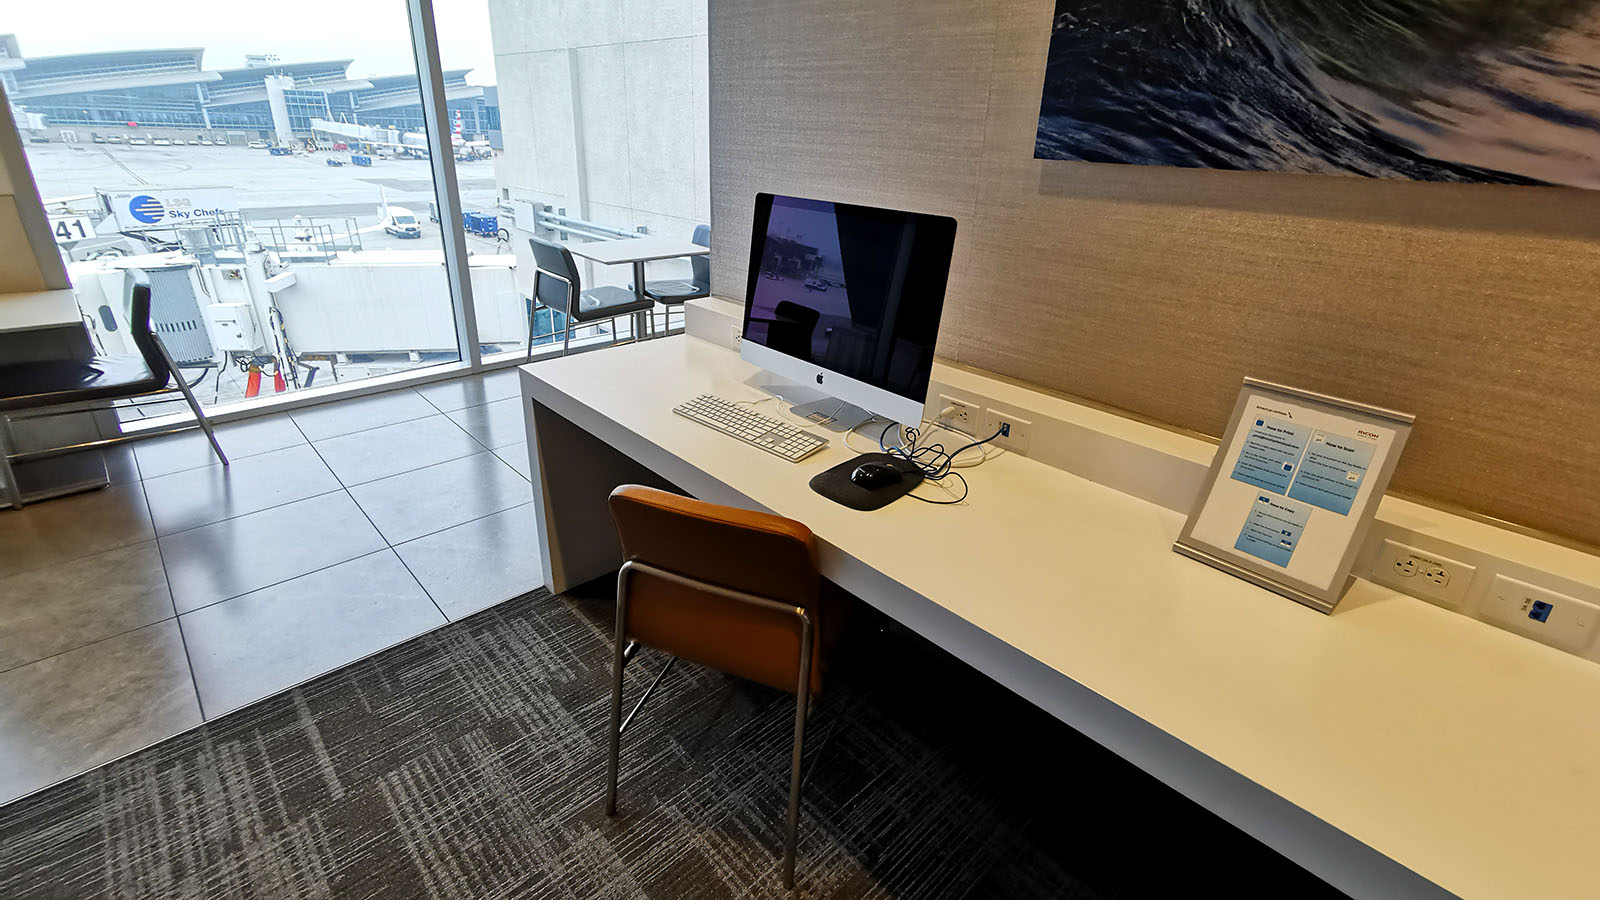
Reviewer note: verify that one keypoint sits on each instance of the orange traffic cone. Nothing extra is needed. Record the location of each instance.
(278, 384)
(252, 382)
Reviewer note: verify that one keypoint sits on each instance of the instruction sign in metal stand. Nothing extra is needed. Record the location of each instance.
(1293, 489)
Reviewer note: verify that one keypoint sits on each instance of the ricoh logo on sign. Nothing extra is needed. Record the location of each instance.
(200, 207)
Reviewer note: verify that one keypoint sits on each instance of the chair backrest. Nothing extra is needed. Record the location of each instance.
(755, 553)
(136, 292)
(702, 264)
(550, 258)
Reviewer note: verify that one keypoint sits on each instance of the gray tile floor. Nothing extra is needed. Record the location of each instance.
(185, 590)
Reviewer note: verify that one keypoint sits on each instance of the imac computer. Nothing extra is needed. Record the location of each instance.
(844, 300)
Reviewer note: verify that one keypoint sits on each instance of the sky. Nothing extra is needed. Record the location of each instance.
(375, 33)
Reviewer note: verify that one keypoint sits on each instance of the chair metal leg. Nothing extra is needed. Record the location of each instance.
(7, 474)
(199, 414)
(836, 714)
(628, 720)
(533, 309)
(619, 660)
(622, 651)
(566, 337)
(638, 294)
(802, 698)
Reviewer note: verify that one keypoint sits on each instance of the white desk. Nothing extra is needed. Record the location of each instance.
(41, 325)
(48, 325)
(1393, 748)
(37, 310)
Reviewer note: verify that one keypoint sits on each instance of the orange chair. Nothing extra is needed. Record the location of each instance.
(727, 588)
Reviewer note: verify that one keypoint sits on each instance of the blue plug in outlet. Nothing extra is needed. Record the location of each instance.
(1540, 611)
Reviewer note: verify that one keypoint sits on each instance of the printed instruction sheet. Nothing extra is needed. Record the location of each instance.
(1293, 487)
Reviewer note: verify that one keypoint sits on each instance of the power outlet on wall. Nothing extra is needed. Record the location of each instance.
(965, 415)
(1422, 573)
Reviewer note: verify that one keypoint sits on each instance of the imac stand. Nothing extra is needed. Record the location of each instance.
(807, 402)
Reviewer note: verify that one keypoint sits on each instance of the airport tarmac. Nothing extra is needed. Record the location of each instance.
(271, 188)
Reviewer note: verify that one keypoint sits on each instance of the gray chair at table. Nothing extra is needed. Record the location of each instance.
(33, 390)
(556, 285)
(676, 292)
(699, 283)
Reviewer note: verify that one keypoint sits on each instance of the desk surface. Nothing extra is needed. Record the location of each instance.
(38, 310)
(640, 249)
(1462, 752)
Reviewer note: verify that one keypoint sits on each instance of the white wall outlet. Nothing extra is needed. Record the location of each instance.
(966, 412)
(737, 337)
(1014, 431)
(1422, 573)
(1546, 616)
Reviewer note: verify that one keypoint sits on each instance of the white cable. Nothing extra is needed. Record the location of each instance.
(985, 452)
(870, 421)
(785, 416)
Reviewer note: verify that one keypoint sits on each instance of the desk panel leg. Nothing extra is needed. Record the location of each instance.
(573, 474)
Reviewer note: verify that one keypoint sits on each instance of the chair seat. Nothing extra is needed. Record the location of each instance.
(608, 301)
(675, 291)
(32, 385)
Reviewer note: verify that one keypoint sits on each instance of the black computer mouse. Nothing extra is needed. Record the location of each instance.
(874, 475)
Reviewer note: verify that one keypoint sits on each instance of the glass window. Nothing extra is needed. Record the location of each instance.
(597, 117)
(282, 202)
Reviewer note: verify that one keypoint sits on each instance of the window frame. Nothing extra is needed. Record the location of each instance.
(437, 128)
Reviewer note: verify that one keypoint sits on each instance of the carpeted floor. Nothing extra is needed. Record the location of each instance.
(468, 764)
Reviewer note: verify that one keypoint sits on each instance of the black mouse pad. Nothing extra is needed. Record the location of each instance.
(835, 483)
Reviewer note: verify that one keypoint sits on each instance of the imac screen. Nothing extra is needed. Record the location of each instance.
(853, 289)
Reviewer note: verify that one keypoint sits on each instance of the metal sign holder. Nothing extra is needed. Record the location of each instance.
(1321, 597)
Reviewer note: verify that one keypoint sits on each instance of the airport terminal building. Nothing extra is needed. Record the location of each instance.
(171, 91)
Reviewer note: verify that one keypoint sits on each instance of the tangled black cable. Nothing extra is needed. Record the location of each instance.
(932, 460)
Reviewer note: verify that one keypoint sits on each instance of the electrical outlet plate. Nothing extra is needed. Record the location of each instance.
(1017, 433)
(1423, 573)
(966, 415)
(1544, 615)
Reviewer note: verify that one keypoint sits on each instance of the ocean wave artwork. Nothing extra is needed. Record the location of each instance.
(1490, 91)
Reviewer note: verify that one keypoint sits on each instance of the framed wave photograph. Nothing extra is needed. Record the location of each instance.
(1487, 91)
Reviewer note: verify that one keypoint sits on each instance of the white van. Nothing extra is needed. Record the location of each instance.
(402, 223)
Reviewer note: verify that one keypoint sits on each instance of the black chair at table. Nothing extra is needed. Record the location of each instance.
(676, 292)
(556, 285)
(35, 390)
